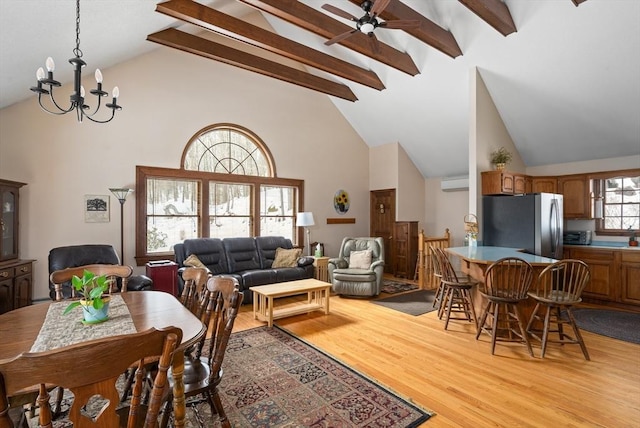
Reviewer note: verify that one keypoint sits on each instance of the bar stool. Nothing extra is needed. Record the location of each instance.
(437, 272)
(506, 283)
(456, 294)
(558, 289)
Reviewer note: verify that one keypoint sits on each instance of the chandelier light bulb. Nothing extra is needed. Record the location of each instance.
(98, 75)
(50, 64)
(116, 92)
(40, 74)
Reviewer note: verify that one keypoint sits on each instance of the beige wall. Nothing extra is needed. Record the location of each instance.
(62, 160)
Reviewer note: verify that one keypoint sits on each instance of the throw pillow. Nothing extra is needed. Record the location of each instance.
(194, 261)
(360, 259)
(286, 258)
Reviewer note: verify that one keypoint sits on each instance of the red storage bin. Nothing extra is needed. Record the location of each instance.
(164, 274)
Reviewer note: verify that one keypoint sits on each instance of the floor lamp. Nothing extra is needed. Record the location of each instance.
(305, 219)
(121, 194)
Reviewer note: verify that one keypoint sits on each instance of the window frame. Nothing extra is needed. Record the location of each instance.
(597, 186)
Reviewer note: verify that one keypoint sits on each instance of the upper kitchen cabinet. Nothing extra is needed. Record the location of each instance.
(575, 190)
(504, 183)
(9, 196)
(544, 184)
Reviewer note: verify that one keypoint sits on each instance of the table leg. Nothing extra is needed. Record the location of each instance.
(179, 405)
(255, 305)
(270, 303)
(326, 300)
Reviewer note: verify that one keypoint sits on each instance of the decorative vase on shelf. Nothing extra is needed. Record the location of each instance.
(500, 166)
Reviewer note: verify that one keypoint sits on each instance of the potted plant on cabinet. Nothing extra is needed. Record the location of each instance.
(95, 307)
(501, 157)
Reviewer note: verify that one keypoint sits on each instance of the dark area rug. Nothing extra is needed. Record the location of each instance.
(616, 324)
(393, 287)
(413, 303)
(274, 379)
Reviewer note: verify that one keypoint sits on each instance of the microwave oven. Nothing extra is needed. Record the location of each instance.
(576, 237)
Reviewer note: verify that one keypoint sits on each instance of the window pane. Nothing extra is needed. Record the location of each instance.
(270, 226)
(230, 210)
(164, 232)
(230, 227)
(277, 210)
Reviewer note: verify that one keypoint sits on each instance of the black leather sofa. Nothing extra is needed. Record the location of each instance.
(246, 259)
(81, 255)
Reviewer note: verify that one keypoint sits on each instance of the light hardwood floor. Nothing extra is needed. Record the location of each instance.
(455, 376)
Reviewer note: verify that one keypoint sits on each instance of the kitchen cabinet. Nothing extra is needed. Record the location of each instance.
(15, 284)
(630, 277)
(544, 184)
(405, 251)
(575, 190)
(602, 269)
(503, 183)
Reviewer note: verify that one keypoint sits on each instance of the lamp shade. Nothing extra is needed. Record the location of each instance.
(304, 219)
(120, 193)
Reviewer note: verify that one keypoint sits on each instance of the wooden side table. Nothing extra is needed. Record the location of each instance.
(322, 268)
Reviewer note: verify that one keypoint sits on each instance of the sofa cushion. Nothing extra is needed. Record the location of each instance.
(194, 261)
(252, 278)
(209, 251)
(267, 246)
(286, 258)
(242, 254)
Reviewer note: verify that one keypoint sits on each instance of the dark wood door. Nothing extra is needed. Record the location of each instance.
(383, 217)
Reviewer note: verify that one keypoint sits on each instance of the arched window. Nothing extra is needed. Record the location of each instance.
(226, 187)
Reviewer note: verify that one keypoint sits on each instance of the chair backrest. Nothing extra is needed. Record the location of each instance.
(227, 299)
(447, 271)
(508, 278)
(195, 280)
(59, 277)
(563, 281)
(426, 259)
(435, 262)
(376, 245)
(92, 369)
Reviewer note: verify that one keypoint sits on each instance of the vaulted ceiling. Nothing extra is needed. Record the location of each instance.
(563, 74)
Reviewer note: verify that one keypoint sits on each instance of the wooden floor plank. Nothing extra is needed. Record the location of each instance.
(452, 374)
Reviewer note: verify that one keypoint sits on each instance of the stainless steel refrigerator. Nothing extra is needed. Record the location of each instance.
(532, 222)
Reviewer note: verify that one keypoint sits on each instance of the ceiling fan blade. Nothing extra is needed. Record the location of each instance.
(400, 24)
(378, 7)
(339, 12)
(340, 37)
(373, 42)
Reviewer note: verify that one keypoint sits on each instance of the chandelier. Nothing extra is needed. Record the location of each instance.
(77, 97)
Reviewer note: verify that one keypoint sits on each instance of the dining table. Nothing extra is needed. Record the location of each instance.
(41, 327)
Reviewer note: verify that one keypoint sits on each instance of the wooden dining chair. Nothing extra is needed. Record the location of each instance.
(91, 369)
(202, 374)
(506, 283)
(112, 272)
(195, 281)
(558, 289)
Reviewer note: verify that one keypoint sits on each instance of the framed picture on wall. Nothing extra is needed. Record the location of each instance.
(96, 208)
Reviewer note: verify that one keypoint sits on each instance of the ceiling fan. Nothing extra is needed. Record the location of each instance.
(368, 22)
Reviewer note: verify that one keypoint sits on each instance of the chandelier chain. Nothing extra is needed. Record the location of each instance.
(77, 52)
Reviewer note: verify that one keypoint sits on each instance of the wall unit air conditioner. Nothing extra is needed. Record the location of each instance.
(454, 184)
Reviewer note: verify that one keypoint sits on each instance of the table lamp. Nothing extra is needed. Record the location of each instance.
(305, 219)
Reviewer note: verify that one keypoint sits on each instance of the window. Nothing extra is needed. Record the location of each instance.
(620, 195)
(226, 187)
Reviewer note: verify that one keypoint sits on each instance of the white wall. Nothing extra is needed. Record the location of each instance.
(167, 96)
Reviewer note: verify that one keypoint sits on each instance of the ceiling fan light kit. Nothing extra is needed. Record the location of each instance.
(77, 98)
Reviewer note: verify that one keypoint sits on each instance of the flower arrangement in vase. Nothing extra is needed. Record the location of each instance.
(95, 306)
(501, 157)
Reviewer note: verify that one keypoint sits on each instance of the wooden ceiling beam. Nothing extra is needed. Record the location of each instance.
(206, 48)
(577, 2)
(317, 22)
(428, 32)
(226, 25)
(493, 12)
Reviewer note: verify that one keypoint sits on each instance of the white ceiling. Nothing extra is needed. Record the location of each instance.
(567, 83)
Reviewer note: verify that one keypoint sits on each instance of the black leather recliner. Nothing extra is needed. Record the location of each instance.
(80, 255)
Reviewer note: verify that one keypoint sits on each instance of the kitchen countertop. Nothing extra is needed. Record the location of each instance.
(607, 244)
(487, 255)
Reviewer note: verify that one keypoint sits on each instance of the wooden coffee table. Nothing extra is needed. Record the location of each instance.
(263, 295)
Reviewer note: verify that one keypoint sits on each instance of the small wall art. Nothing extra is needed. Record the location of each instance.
(341, 202)
(96, 208)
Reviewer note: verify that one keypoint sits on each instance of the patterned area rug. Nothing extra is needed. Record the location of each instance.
(273, 379)
(414, 303)
(393, 287)
(616, 324)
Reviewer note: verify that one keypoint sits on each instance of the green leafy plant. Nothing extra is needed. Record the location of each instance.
(92, 288)
(501, 155)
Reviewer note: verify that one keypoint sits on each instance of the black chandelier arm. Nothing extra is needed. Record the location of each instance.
(60, 111)
(113, 113)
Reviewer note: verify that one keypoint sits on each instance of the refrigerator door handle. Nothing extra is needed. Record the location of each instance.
(555, 231)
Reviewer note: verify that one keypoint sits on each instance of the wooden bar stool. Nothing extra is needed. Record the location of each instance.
(456, 293)
(558, 289)
(506, 283)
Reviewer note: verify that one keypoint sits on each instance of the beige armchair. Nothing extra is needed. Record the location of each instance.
(358, 269)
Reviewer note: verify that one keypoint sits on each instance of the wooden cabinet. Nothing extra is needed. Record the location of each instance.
(504, 183)
(575, 191)
(544, 184)
(630, 277)
(405, 249)
(601, 265)
(16, 283)
(9, 200)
